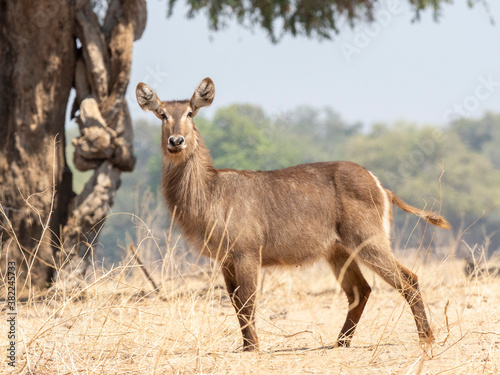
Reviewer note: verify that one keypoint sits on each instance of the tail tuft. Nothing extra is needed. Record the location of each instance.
(436, 220)
(431, 217)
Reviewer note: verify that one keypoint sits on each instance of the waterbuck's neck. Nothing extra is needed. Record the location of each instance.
(188, 184)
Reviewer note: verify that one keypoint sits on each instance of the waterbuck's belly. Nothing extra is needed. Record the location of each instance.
(303, 246)
(288, 240)
(292, 240)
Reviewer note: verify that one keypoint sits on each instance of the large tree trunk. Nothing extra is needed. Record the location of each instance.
(43, 223)
(37, 62)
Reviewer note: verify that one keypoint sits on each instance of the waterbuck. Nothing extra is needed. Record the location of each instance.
(333, 210)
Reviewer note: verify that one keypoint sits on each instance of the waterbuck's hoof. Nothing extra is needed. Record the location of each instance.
(426, 337)
(344, 343)
(251, 348)
(251, 345)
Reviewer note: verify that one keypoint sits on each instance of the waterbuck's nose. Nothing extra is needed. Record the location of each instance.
(176, 141)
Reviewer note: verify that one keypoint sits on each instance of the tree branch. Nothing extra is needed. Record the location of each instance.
(95, 51)
(106, 142)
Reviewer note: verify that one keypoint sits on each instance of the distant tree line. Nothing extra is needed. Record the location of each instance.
(454, 168)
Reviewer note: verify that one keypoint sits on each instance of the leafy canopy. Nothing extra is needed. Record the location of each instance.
(320, 18)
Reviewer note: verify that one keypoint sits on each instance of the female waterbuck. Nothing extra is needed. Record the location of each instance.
(333, 210)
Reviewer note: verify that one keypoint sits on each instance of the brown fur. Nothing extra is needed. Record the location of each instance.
(430, 217)
(245, 219)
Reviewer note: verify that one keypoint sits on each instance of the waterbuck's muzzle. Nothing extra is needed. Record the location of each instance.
(176, 143)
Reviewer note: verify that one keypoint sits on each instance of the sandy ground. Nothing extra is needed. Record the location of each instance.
(118, 326)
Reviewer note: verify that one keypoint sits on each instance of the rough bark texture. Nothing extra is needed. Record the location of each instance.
(43, 223)
(37, 59)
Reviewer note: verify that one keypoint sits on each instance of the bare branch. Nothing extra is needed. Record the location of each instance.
(89, 209)
(143, 269)
(97, 141)
(123, 156)
(94, 51)
(106, 141)
(82, 85)
(135, 13)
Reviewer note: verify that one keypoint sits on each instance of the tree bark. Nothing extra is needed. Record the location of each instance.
(43, 223)
(38, 62)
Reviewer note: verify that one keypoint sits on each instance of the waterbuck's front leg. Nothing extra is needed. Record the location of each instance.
(241, 276)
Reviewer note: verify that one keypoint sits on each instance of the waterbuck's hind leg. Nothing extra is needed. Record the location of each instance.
(378, 256)
(356, 288)
(241, 276)
(407, 284)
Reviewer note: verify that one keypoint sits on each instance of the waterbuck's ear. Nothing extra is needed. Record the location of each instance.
(203, 95)
(148, 100)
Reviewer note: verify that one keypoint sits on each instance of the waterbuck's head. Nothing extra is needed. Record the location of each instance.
(178, 134)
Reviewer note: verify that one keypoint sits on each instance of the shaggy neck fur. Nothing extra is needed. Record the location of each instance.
(188, 184)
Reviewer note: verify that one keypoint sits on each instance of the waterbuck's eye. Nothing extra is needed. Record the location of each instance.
(190, 114)
(164, 116)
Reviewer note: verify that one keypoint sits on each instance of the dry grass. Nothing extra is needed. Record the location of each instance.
(118, 325)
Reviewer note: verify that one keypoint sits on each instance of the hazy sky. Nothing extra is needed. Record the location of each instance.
(394, 69)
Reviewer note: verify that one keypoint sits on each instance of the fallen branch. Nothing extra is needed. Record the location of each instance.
(143, 269)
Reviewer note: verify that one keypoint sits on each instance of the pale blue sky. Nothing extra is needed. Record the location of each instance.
(424, 71)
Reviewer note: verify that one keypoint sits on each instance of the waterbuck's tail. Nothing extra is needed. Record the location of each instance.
(429, 216)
